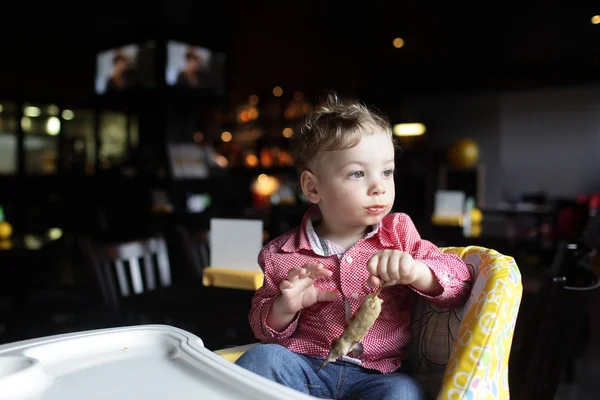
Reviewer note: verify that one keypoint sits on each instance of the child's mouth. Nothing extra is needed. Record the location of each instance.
(377, 209)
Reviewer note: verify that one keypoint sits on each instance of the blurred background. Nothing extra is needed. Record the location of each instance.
(130, 122)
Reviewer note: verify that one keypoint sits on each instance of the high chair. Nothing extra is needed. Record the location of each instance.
(463, 353)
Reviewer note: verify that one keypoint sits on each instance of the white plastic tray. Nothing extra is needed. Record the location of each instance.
(139, 362)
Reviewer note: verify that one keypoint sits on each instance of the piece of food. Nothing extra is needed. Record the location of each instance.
(357, 327)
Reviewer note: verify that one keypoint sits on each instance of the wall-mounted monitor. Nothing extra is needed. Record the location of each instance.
(195, 67)
(126, 67)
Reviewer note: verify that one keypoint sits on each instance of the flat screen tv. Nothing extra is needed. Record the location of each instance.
(194, 67)
(123, 68)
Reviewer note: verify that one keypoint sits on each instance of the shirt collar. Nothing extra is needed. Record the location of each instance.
(307, 239)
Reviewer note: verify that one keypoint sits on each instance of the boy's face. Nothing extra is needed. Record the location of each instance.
(355, 187)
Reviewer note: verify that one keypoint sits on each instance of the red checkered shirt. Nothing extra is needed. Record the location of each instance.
(314, 328)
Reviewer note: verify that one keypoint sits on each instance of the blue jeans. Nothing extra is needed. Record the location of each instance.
(338, 380)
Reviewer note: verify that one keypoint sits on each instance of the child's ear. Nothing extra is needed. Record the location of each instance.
(308, 182)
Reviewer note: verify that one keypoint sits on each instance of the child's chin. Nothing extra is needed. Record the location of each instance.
(373, 219)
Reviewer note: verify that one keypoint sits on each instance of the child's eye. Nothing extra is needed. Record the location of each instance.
(388, 172)
(356, 174)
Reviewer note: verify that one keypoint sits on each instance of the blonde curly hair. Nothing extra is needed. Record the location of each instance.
(335, 125)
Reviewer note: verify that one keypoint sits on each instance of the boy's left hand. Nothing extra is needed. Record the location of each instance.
(392, 267)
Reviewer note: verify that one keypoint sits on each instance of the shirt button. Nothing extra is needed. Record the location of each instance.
(349, 259)
(355, 296)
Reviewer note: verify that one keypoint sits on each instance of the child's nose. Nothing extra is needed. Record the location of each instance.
(377, 189)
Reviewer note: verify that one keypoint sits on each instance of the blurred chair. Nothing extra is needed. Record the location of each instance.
(570, 220)
(558, 333)
(136, 281)
(189, 251)
(464, 352)
(42, 299)
(123, 272)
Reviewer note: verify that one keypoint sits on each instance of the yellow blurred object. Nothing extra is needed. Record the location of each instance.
(463, 153)
(232, 278)
(5, 227)
(476, 216)
(5, 230)
(6, 244)
(475, 230)
(447, 220)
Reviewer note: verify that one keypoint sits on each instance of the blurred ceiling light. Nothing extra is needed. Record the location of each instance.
(596, 19)
(277, 91)
(253, 99)
(247, 114)
(32, 242)
(54, 233)
(398, 42)
(226, 136)
(288, 133)
(78, 145)
(53, 126)
(263, 178)
(253, 113)
(221, 160)
(53, 110)
(31, 111)
(265, 185)
(412, 129)
(251, 160)
(198, 137)
(26, 124)
(243, 117)
(247, 136)
(68, 115)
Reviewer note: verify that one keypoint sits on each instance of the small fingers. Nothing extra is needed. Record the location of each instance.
(394, 266)
(384, 266)
(315, 270)
(293, 274)
(374, 281)
(405, 266)
(372, 265)
(285, 285)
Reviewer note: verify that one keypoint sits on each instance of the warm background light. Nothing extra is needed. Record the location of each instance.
(288, 133)
(265, 185)
(251, 161)
(53, 126)
(596, 19)
(68, 115)
(226, 136)
(398, 42)
(277, 91)
(198, 137)
(413, 129)
(31, 111)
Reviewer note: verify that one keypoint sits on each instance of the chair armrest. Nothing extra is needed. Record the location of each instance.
(478, 364)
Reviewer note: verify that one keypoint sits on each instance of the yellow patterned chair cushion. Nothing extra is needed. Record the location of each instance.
(463, 353)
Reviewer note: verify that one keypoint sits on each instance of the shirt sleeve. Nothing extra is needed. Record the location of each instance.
(450, 270)
(263, 301)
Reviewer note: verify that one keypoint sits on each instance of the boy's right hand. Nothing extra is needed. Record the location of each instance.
(298, 290)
